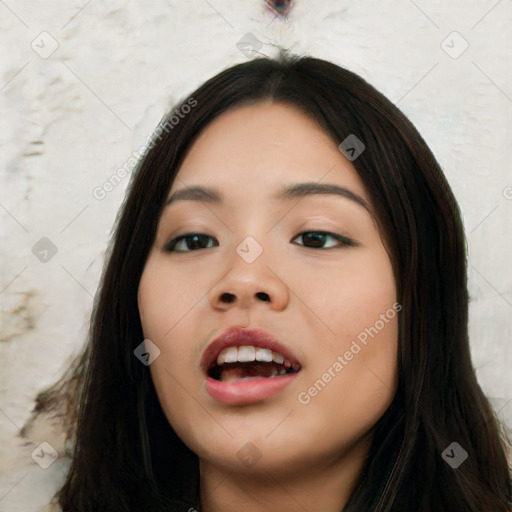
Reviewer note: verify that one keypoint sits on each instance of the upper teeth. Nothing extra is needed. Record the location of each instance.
(246, 354)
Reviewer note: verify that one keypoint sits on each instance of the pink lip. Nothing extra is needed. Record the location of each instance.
(247, 391)
(251, 390)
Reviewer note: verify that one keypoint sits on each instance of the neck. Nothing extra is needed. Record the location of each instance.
(325, 486)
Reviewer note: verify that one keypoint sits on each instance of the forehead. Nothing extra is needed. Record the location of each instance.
(262, 145)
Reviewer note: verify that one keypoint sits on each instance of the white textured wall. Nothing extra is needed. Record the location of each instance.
(70, 119)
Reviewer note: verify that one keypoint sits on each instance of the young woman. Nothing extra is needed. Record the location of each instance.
(282, 323)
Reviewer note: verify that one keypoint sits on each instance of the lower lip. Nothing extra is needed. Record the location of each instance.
(247, 391)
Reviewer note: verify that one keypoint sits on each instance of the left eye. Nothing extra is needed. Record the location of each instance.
(318, 238)
(310, 239)
(192, 241)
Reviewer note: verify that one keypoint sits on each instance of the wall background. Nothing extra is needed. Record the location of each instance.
(84, 83)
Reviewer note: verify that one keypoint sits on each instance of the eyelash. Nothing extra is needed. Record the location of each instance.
(343, 241)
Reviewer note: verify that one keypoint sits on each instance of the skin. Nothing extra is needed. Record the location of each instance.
(322, 295)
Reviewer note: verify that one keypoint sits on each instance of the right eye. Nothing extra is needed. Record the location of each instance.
(189, 242)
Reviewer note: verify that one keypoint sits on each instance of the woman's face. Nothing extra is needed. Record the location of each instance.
(308, 267)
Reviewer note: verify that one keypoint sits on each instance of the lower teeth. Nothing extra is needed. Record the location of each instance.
(226, 376)
(250, 378)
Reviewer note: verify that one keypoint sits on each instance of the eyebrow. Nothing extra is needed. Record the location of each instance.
(295, 190)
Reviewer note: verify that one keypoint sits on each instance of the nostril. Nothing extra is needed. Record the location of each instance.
(230, 298)
(227, 297)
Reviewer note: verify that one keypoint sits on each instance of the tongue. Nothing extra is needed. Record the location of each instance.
(229, 374)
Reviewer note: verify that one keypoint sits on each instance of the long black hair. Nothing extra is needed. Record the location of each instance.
(126, 456)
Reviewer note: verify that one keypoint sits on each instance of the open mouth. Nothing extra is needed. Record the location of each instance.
(250, 362)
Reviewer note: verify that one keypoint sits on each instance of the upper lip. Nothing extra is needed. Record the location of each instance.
(240, 336)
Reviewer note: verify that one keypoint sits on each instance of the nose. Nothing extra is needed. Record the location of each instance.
(249, 285)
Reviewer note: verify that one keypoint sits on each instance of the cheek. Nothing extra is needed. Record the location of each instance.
(348, 297)
(351, 388)
(353, 379)
(370, 343)
(150, 298)
(164, 297)
(163, 312)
